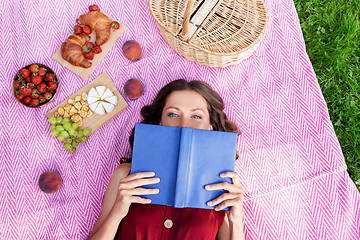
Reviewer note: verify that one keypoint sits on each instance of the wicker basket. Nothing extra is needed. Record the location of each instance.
(226, 32)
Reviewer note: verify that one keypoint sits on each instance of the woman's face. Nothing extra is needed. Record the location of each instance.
(186, 108)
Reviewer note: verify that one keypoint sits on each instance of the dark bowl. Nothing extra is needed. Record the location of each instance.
(16, 91)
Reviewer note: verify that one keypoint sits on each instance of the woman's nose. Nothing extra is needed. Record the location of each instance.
(183, 122)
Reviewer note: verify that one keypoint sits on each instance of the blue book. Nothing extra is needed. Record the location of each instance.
(185, 160)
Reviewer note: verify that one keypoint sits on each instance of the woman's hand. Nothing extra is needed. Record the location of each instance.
(234, 197)
(130, 188)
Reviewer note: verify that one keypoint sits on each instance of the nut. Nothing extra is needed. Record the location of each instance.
(83, 114)
(84, 96)
(78, 98)
(61, 111)
(67, 108)
(73, 111)
(77, 105)
(79, 123)
(89, 113)
(75, 118)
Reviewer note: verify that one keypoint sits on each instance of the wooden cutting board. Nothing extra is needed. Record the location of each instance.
(95, 121)
(84, 73)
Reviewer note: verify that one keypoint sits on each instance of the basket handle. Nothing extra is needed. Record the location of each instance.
(185, 25)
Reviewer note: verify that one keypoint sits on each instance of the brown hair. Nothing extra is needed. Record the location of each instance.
(152, 113)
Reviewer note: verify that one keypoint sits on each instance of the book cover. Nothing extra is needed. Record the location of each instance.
(185, 160)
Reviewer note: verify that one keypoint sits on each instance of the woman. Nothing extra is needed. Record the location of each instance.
(179, 104)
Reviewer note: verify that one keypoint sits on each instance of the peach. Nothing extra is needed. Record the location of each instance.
(50, 181)
(132, 50)
(133, 88)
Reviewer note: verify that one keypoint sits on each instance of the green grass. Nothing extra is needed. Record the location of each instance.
(331, 30)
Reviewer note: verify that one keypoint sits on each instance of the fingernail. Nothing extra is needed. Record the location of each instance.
(222, 175)
(207, 187)
(217, 209)
(156, 190)
(157, 179)
(152, 174)
(209, 203)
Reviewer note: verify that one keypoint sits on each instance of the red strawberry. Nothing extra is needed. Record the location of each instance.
(89, 45)
(94, 7)
(42, 99)
(48, 95)
(34, 68)
(17, 85)
(49, 77)
(42, 71)
(24, 90)
(52, 86)
(89, 54)
(97, 50)
(87, 30)
(35, 102)
(36, 79)
(42, 87)
(78, 29)
(23, 73)
(19, 96)
(35, 93)
(28, 79)
(115, 25)
(27, 100)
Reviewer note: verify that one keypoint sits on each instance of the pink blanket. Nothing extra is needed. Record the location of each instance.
(291, 165)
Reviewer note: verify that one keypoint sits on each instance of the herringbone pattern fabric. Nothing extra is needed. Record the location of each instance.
(291, 165)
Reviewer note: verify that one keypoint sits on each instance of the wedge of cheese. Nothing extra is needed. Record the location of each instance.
(101, 100)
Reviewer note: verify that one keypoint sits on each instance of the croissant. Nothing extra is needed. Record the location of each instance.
(71, 50)
(99, 22)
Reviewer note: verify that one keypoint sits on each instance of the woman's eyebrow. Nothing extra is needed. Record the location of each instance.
(174, 108)
(195, 109)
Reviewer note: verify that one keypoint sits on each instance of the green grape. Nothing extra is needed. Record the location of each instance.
(71, 131)
(67, 146)
(65, 134)
(83, 139)
(75, 134)
(59, 128)
(72, 150)
(80, 134)
(53, 127)
(67, 125)
(75, 126)
(69, 140)
(52, 120)
(77, 140)
(54, 132)
(87, 132)
(61, 138)
(75, 144)
(65, 120)
(59, 120)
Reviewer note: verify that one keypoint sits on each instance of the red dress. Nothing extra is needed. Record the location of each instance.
(156, 222)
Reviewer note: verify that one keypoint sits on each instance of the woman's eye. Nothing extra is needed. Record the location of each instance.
(172, 115)
(196, 117)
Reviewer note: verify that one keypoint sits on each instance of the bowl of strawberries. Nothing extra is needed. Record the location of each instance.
(35, 85)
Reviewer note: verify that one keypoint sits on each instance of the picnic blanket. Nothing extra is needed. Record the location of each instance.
(290, 166)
